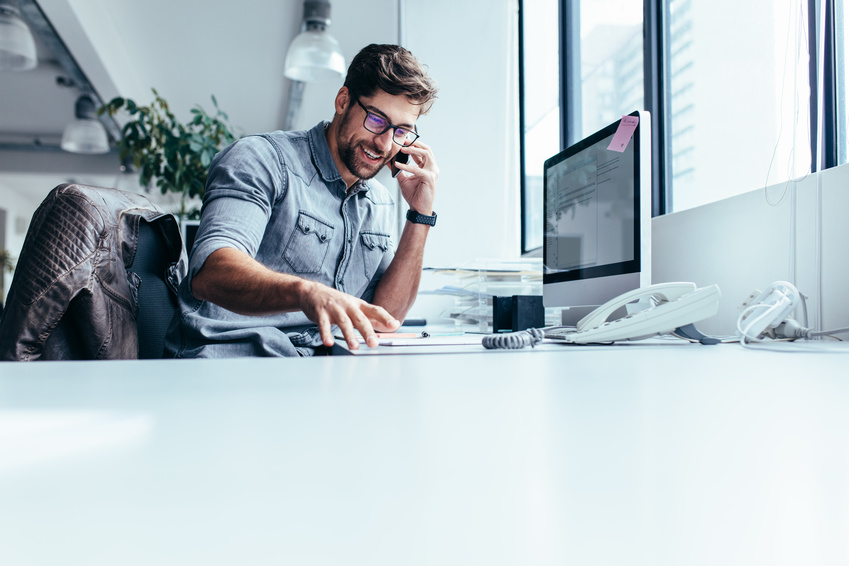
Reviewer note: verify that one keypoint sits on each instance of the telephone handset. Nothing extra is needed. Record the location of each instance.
(675, 305)
(663, 292)
(400, 157)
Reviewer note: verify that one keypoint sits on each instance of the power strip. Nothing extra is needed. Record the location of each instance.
(762, 311)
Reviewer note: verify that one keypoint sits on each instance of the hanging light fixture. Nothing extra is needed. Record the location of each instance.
(17, 46)
(85, 134)
(314, 53)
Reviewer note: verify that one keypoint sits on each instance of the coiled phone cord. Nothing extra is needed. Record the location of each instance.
(513, 340)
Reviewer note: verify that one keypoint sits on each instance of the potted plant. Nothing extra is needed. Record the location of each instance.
(176, 156)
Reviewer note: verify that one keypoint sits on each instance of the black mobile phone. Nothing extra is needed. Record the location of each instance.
(400, 157)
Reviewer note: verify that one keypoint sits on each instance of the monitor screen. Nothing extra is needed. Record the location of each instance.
(190, 230)
(597, 217)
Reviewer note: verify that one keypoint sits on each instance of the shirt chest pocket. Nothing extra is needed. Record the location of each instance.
(373, 247)
(307, 247)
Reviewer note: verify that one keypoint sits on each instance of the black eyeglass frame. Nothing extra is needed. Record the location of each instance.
(391, 126)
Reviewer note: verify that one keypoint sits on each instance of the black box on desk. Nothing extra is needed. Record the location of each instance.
(502, 314)
(528, 312)
(518, 312)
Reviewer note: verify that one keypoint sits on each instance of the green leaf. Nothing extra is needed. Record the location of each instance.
(172, 154)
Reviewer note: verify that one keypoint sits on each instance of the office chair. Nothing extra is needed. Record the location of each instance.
(97, 278)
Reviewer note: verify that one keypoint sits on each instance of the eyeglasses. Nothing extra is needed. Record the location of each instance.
(377, 124)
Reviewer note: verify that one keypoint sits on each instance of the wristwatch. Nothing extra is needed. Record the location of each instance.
(419, 218)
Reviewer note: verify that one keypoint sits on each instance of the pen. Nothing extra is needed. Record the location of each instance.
(396, 335)
(431, 334)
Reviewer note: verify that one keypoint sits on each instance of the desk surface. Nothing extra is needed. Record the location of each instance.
(632, 455)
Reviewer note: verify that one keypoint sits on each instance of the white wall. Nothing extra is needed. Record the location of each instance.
(748, 241)
(19, 208)
(470, 48)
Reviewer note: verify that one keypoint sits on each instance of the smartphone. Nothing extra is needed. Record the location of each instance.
(400, 157)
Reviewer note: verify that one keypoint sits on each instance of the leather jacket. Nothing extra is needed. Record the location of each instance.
(77, 259)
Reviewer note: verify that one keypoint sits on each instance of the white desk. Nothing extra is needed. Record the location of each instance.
(638, 455)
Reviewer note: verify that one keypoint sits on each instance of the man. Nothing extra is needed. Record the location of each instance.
(295, 234)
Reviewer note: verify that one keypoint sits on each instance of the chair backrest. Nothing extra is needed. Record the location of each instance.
(97, 278)
(157, 303)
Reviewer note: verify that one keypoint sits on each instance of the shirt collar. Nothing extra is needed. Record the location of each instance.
(324, 159)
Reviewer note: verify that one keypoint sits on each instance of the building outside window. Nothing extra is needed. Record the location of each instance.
(737, 98)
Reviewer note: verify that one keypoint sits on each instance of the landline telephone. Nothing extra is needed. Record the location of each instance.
(673, 305)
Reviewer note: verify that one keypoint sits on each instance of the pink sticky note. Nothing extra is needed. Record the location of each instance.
(624, 133)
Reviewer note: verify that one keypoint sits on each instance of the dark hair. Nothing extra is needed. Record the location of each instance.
(394, 70)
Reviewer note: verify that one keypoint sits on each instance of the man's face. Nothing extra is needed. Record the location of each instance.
(364, 153)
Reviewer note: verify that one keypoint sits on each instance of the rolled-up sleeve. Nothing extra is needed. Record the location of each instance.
(245, 180)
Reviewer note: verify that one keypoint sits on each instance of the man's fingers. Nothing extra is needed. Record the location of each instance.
(328, 307)
(324, 327)
(344, 324)
(363, 324)
(380, 318)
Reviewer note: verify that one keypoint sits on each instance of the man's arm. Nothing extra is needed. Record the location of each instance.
(396, 292)
(237, 282)
(399, 285)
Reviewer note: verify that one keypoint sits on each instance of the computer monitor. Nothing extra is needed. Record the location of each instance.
(597, 214)
(189, 228)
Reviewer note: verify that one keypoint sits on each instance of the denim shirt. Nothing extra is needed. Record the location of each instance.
(280, 198)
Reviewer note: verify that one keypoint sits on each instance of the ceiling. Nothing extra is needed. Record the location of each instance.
(35, 107)
(189, 50)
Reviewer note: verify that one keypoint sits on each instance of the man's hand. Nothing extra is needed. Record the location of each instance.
(326, 306)
(418, 183)
(234, 280)
(398, 288)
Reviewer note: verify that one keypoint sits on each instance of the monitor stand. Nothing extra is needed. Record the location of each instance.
(570, 316)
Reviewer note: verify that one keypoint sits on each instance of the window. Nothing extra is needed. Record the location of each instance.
(841, 33)
(611, 64)
(607, 61)
(731, 90)
(737, 107)
(540, 100)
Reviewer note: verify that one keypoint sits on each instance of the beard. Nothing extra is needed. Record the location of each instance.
(351, 159)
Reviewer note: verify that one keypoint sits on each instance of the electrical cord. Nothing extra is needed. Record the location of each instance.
(767, 320)
(746, 333)
(513, 340)
(770, 308)
(793, 330)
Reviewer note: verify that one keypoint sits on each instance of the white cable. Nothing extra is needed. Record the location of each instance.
(818, 255)
(796, 24)
(793, 239)
(792, 330)
(799, 347)
(832, 331)
(804, 308)
(746, 333)
(777, 302)
(790, 23)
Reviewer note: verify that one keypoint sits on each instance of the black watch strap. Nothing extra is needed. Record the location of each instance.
(419, 218)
